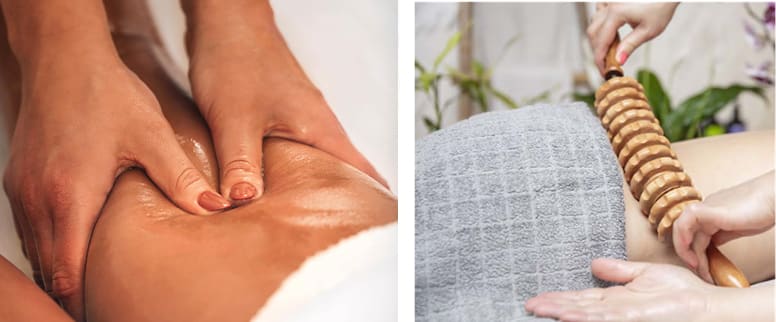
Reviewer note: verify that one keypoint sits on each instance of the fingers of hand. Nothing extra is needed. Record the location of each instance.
(594, 35)
(602, 32)
(170, 169)
(585, 305)
(72, 230)
(684, 230)
(699, 245)
(633, 40)
(617, 271)
(59, 213)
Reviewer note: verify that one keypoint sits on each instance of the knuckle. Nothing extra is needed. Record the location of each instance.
(63, 282)
(239, 166)
(58, 191)
(188, 178)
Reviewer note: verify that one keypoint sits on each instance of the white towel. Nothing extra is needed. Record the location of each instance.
(354, 280)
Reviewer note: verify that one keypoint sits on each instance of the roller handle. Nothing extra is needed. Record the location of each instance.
(723, 271)
(612, 67)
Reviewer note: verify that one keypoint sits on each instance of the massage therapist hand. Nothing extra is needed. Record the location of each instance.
(84, 118)
(742, 210)
(648, 20)
(248, 85)
(653, 292)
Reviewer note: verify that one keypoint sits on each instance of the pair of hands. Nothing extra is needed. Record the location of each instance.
(85, 118)
(660, 292)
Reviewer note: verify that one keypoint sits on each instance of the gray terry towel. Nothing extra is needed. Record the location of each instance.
(511, 204)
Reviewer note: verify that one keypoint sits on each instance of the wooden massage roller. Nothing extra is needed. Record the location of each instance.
(654, 174)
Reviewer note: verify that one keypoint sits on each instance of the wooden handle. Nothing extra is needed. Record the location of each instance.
(723, 271)
(611, 64)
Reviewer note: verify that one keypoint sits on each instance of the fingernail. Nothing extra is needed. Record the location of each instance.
(623, 57)
(242, 191)
(212, 201)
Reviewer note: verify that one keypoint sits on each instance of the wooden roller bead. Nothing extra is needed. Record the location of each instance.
(616, 83)
(631, 130)
(616, 96)
(671, 216)
(639, 142)
(623, 106)
(648, 170)
(645, 155)
(659, 208)
(660, 184)
(628, 117)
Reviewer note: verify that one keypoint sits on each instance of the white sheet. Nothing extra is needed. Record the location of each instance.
(354, 280)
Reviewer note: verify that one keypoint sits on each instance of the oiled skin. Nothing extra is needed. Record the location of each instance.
(150, 261)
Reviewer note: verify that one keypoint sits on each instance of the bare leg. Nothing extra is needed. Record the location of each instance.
(713, 163)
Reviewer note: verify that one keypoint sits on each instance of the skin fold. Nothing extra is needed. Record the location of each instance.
(245, 82)
(225, 266)
(148, 260)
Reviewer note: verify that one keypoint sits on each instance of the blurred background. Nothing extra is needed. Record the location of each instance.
(712, 66)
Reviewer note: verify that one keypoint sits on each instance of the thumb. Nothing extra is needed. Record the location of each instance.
(239, 151)
(170, 169)
(632, 41)
(617, 271)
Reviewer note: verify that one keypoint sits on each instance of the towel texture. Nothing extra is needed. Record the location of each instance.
(511, 204)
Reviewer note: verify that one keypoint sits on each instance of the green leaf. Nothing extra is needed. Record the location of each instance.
(457, 76)
(588, 98)
(419, 67)
(543, 96)
(504, 98)
(478, 69)
(476, 92)
(682, 122)
(451, 43)
(656, 96)
(426, 80)
(430, 126)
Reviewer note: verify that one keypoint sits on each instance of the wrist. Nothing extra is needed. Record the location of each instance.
(39, 30)
(215, 23)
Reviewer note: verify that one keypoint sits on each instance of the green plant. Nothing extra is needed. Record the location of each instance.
(476, 85)
(683, 121)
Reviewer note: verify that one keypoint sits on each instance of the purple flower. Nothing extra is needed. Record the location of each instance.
(762, 73)
(768, 15)
(752, 37)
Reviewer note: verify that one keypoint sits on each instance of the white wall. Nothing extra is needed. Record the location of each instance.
(550, 48)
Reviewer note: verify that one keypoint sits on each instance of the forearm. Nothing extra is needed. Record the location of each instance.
(41, 30)
(245, 29)
(748, 304)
